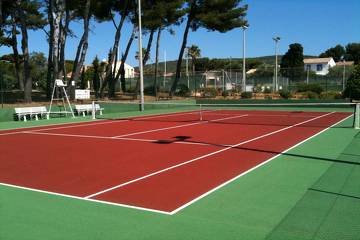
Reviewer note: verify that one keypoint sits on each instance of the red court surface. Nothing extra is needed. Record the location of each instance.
(160, 164)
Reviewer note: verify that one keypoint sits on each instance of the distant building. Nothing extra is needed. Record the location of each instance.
(83, 68)
(213, 78)
(129, 70)
(251, 71)
(320, 66)
(345, 63)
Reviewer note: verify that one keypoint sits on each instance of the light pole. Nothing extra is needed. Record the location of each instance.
(140, 59)
(2, 88)
(187, 66)
(344, 72)
(164, 69)
(276, 39)
(244, 64)
(230, 68)
(307, 74)
(2, 83)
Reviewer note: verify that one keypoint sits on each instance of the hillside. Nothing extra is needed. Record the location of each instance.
(171, 65)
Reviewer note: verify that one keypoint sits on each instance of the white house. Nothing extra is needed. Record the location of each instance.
(129, 70)
(320, 66)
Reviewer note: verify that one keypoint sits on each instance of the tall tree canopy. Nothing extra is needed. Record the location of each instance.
(335, 52)
(292, 63)
(352, 89)
(194, 53)
(18, 17)
(353, 52)
(214, 15)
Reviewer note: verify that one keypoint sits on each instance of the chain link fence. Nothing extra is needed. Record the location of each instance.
(233, 80)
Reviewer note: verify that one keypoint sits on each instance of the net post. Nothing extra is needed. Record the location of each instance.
(93, 110)
(357, 116)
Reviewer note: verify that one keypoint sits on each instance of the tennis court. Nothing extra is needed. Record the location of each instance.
(160, 162)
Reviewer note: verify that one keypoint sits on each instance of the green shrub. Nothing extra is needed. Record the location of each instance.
(131, 90)
(226, 93)
(285, 94)
(182, 90)
(257, 89)
(352, 89)
(246, 95)
(149, 90)
(209, 92)
(303, 87)
(234, 91)
(267, 90)
(330, 95)
(237, 89)
(311, 95)
(162, 89)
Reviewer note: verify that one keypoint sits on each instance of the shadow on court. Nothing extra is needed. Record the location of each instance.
(187, 139)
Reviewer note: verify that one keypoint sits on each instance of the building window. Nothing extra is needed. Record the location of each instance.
(319, 67)
(308, 67)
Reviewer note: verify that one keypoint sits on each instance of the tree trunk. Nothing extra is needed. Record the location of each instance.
(148, 47)
(121, 71)
(157, 60)
(25, 50)
(1, 16)
(82, 49)
(57, 11)
(108, 71)
(50, 65)
(146, 56)
(63, 36)
(184, 42)
(16, 54)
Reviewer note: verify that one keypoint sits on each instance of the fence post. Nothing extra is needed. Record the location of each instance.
(357, 116)
(93, 110)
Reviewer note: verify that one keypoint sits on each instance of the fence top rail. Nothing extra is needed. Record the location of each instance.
(234, 104)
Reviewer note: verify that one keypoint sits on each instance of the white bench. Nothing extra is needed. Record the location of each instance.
(87, 109)
(23, 112)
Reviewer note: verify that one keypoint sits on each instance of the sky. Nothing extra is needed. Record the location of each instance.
(316, 24)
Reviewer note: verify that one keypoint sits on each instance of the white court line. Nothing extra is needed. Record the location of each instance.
(10, 133)
(74, 124)
(179, 126)
(171, 114)
(265, 115)
(252, 169)
(67, 135)
(81, 198)
(40, 126)
(97, 123)
(123, 138)
(172, 141)
(80, 124)
(203, 156)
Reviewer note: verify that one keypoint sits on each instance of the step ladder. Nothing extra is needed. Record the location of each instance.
(60, 85)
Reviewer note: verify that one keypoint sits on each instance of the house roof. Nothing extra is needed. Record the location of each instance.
(119, 63)
(346, 63)
(317, 60)
(251, 71)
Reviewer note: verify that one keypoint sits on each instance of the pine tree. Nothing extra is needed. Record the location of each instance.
(96, 77)
(213, 15)
(292, 63)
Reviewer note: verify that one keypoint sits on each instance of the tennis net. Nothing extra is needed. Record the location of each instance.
(267, 113)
